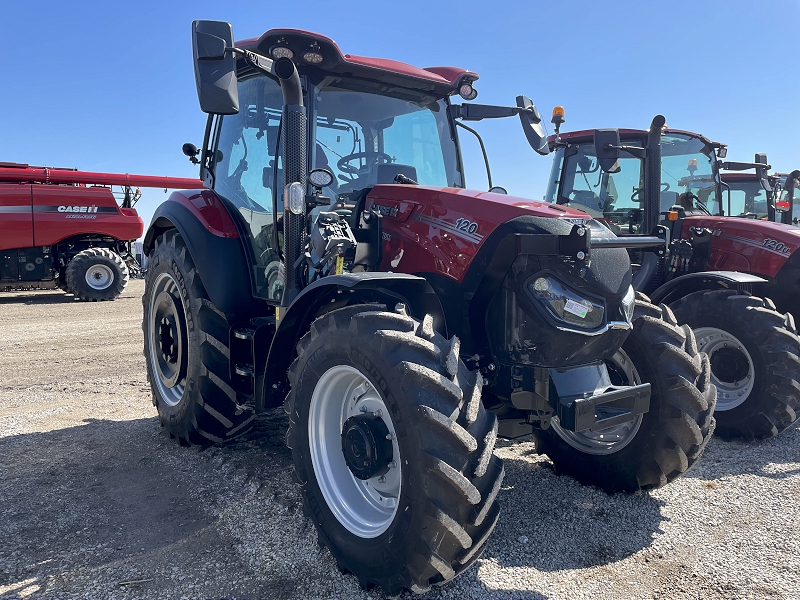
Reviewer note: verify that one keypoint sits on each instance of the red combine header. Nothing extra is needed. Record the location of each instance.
(66, 228)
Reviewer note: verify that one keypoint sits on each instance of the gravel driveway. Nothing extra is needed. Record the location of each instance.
(95, 502)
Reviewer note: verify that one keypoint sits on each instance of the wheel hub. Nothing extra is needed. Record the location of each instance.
(349, 425)
(732, 367)
(367, 446)
(729, 364)
(99, 277)
(168, 339)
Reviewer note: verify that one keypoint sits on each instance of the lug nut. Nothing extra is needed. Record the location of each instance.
(393, 464)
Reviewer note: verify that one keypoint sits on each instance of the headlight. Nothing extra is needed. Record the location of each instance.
(628, 303)
(566, 305)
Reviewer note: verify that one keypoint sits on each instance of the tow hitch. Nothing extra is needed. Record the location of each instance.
(588, 400)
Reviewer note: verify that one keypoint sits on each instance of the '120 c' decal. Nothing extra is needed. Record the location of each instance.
(466, 225)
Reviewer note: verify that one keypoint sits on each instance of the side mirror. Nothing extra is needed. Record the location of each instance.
(606, 144)
(761, 159)
(532, 126)
(191, 151)
(215, 67)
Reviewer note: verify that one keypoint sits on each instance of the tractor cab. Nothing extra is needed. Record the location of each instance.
(371, 122)
(689, 177)
(751, 199)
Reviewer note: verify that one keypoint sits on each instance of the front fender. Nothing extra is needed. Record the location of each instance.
(705, 280)
(330, 293)
(215, 247)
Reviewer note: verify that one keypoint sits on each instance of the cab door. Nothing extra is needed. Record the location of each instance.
(16, 216)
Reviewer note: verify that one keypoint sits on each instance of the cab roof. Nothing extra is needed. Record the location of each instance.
(438, 80)
(588, 134)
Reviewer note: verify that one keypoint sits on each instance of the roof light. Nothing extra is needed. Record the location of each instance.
(467, 92)
(312, 54)
(558, 115)
(280, 50)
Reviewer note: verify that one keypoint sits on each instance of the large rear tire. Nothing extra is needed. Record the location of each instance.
(755, 360)
(427, 517)
(186, 351)
(655, 448)
(96, 274)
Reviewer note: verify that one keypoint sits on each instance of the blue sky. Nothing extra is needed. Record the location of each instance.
(109, 86)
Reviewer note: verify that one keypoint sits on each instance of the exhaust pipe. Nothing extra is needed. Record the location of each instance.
(295, 160)
(652, 176)
(648, 272)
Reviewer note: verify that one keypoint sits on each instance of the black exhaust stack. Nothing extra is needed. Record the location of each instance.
(648, 276)
(295, 160)
(652, 176)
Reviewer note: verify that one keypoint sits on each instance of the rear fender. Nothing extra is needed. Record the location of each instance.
(708, 280)
(330, 293)
(215, 246)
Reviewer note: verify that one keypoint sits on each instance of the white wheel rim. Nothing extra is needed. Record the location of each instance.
(731, 391)
(611, 439)
(168, 375)
(99, 277)
(366, 508)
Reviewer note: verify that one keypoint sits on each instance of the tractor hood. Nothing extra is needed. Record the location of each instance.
(444, 229)
(752, 245)
(404, 200)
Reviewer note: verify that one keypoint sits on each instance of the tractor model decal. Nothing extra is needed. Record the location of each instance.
(387, 211)
(462, 228)
(768, 244)
(777, 246)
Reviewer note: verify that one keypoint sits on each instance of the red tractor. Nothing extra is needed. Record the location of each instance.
(337, 266)
(770, 198)
(57, 232)
(743, 321)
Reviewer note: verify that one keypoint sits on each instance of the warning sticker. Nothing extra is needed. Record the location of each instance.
(577, 308)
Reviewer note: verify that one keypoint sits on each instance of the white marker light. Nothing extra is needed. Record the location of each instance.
(294, 197)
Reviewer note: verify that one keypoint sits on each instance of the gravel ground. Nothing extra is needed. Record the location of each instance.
(95, 502)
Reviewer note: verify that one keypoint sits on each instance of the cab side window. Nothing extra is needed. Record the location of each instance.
(245, 170)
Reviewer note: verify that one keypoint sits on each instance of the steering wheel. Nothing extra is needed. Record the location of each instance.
(344, 165)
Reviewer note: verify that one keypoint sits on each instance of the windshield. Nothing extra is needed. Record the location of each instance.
(366, 138)
(615, 199)
(748, 199)
(611, 198)
(688, 165)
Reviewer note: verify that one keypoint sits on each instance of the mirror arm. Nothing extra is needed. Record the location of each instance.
(486, 111)
(636, 151)
(483, 149)
(742, 166)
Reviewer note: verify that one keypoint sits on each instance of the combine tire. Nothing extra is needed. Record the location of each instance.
(755, 360)
(654, 448)
(186, 350)
(392, 448)
(96, 274)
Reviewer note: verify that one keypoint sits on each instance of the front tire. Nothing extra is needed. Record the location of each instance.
(96, 274)
(186, 351)
(655, 448)
(755, 361)
(427, 517)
